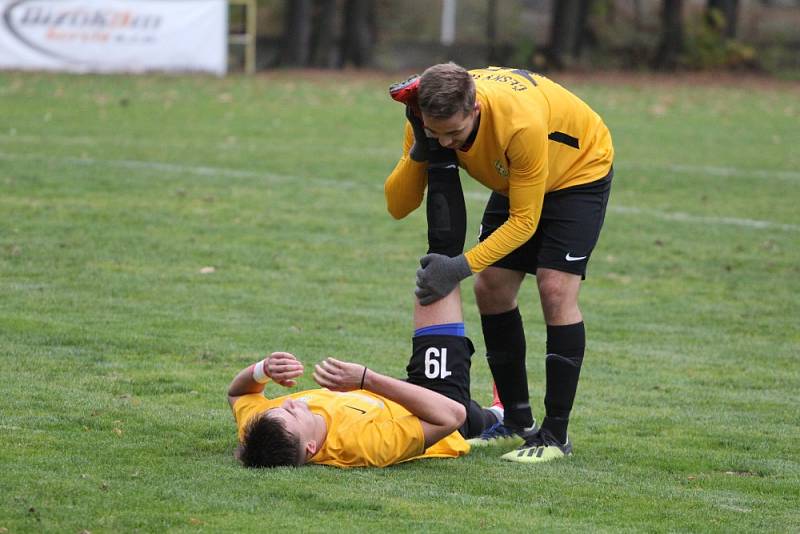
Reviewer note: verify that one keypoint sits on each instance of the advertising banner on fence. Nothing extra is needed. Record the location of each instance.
(114, 35)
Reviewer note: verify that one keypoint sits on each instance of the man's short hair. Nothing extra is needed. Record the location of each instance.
(446, 89)
(267, 443)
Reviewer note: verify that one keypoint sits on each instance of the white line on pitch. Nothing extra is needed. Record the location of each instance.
(472, 195)
(264, 147)
(678, 216)
(713, 170)
(687, 217)
(260, 145)
(177, 168)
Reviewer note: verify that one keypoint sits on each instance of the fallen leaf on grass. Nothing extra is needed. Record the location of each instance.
(621, 278)
(195, 521)
(658, 110)
(118, 432)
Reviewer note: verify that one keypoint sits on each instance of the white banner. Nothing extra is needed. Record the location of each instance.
(114, 35)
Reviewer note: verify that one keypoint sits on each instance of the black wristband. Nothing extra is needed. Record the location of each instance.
(362, 378)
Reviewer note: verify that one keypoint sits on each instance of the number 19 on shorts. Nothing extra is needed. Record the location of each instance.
(436, 363)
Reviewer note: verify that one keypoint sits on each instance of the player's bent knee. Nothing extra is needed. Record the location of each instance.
(558, 291)
(460, 417)
(491, 294)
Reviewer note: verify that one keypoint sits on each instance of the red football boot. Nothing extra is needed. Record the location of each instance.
(405, 92)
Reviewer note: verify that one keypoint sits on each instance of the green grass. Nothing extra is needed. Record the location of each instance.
(116, 352)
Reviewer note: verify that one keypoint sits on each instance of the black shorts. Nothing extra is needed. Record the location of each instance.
(567, 233)
(441, 364)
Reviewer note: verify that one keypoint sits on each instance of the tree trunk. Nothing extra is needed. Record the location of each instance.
(671, 45)
(567, 31)
(296, 33)
(637, 15)
(358, 35)
(324, 49)
(491, 31)
(722, 16)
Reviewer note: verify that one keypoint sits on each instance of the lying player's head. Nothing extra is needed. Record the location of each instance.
(282, 436)
(447, 101)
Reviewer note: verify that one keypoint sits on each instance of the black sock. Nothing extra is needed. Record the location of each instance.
(446, 211)
(565, 347)
(478, 420)
(505, 352)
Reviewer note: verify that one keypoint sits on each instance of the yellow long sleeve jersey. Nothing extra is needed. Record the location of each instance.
(534, 137)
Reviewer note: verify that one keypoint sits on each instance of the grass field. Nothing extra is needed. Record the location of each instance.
(116, 351)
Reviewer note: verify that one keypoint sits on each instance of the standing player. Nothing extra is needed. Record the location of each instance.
(547, 157)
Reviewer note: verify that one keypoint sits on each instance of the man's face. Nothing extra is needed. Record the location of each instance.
(451, 132)
(297, 419)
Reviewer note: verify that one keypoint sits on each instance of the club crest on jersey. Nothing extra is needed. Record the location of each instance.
(500, 168)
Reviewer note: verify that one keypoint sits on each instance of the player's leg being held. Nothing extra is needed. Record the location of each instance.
(442, 357)
(442, 353)
(445, 208)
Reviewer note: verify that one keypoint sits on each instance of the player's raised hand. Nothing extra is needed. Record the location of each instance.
(283, 368)
(337, 375)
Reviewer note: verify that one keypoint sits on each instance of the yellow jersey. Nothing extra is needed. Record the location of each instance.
(364, 429)
(534, 137)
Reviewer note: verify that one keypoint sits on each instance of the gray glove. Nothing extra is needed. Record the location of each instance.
(419, 150)
(439, 275)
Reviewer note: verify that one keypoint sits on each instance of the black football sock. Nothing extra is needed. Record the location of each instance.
(565, 348)
(446, 211)
(505, 352)
(478, 420)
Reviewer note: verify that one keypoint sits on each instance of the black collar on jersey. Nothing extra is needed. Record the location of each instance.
(472, 135)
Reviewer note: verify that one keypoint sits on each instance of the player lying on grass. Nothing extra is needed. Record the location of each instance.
(364, 418)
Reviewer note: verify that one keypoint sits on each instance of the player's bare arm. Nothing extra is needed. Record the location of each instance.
(280, 367)
(439, 415)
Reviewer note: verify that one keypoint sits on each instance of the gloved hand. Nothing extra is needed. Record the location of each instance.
(439, 275)
(419, 150)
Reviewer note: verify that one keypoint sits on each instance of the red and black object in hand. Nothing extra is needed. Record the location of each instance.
(405, 92)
